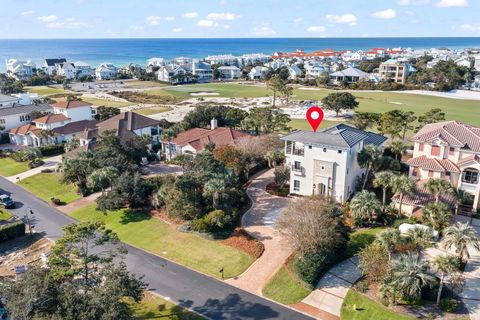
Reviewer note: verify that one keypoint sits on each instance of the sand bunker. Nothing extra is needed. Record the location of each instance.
(204, 94)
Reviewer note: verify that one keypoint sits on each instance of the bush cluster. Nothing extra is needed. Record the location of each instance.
(12, 230)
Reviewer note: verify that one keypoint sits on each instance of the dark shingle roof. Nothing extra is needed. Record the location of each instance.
(21, 109)
(340, 135)
(75, 127)
(51, 62)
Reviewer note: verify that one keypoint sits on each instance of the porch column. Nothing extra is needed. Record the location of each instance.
(476, 200)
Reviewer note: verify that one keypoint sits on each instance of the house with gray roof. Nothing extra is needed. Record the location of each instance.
(350, 75)
(325, 162)
(17, 115)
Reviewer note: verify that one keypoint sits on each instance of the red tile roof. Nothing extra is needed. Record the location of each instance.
(199, 137)
(24, 129)
(441, 165)
(51, 118)
(71, 104)
(473, 157)
(422, 197)
(453, 133)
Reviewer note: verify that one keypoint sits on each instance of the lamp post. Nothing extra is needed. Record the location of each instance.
(28, 211)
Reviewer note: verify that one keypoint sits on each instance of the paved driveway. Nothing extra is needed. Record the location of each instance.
(50, 163)
(209, 297)
(258, 221)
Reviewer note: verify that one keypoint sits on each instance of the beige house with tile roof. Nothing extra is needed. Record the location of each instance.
(449, 150)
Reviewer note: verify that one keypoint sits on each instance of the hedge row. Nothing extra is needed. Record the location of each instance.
(12, 230)
(51, 150)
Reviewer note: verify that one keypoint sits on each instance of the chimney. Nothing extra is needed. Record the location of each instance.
(213, 124)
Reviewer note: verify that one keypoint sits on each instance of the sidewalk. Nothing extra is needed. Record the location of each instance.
(80, 203)
(330, 292)
(50, 163)
(258, 221)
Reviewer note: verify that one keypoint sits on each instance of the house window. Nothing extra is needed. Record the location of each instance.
(322, 168)
(420, 147)
(447, 174)
(309, 147)
(324, 149)
(297, 166)
(339, 151)
(414, 172)
(451, 151)
(470, 176)
(296, 185)
(2, 121)
(347, 170)
(435, 151)
(430, 174)
(24, 118)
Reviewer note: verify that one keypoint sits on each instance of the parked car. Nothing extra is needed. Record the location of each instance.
(6, 201)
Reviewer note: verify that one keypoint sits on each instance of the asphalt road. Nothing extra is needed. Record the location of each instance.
(209, 297)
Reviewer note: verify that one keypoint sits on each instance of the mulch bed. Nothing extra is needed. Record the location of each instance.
(162, 215)
(241, 240)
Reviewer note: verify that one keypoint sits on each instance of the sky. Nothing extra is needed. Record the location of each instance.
(238, 18)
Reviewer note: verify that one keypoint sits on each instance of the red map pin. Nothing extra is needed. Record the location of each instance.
(314, 117)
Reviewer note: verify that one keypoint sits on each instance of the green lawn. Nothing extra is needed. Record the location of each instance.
(106, 103)
(9, 167)
(48, 185)
(153, 110)
(46, 90)
(151, 234)
(366, 309)
(228, 90)
(4, 215)
(284, 288)
(462, 110)
(360, 239)
(154, 307)
(137, 84)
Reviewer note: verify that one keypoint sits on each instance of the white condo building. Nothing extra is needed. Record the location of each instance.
(325, 162)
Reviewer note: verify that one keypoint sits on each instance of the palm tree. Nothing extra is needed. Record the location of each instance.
(366, 159)
(216, 187)
(389, 238)
(410, 275)
(404, 186)
(437, 215)
(398, 148)
(437, 186)
(459, 237)
(365, 206)
(420, 237)
(444, 265)
(45, 134)
(102, 178)
(384, 180)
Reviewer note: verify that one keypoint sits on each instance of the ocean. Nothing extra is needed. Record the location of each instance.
(123, 51)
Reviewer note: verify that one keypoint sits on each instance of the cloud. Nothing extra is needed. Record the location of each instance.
(223, 16)
(190, 15)
(47, 19)
(68, 23)
(298, 20)
(176, 30)
(27, 13)
(452, 3)
(169, 18)
(226, 27)
(153, 20)
(469, 27)
(136, 27)
(413, 2)
(385, 14)
(263, 31)
(316, 29)
(207, 24)
(345, 19)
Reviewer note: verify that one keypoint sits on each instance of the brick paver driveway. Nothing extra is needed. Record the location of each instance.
(258, 221)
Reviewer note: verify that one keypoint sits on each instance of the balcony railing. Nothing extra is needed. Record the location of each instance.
(298, 152)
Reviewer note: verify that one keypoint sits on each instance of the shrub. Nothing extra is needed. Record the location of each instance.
(362, 286)
(17, 156)
(35, 164)
(213, 221)
(51, 150)
(12, 230)
(448, 305)
(311, 266)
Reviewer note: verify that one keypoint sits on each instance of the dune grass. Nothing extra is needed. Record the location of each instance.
(153, 235)
(48, 185)
(107, 103)
(358, 307)
(10, 167)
